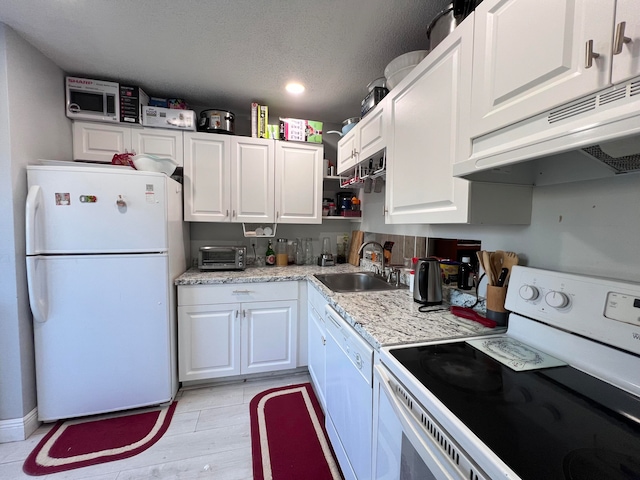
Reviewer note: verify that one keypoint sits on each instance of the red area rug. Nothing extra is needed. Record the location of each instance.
(80, 442)
(288, 439)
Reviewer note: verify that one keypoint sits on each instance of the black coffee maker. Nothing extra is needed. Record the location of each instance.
(343, 201)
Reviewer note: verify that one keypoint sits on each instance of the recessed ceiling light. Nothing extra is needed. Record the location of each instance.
(295, 88)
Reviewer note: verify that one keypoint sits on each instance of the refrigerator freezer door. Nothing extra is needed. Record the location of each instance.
(95, 210)
(105, 342)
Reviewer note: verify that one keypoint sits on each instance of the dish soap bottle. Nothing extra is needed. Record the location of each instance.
(270, 255)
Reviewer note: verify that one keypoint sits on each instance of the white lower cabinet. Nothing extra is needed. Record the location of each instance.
(236, 329)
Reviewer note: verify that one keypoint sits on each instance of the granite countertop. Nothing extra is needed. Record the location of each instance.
(382, 318)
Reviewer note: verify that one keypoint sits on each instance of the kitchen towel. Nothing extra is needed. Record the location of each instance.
(81, 442)
(288, 439)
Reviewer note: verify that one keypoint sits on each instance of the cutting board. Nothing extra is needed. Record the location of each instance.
(357, 236)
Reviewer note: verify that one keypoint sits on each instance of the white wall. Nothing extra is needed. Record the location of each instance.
(32, 126)
(589, 227)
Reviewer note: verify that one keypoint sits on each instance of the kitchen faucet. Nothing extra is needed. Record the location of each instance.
(381, 268)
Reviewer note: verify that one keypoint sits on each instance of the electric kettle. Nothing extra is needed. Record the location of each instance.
(427, 282)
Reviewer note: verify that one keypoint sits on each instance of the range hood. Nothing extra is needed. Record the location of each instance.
(596, 136)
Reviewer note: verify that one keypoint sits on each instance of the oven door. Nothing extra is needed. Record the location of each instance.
(408, 448)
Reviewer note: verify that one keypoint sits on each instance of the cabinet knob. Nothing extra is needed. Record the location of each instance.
(589, 54)
(226, 214)
(619, 40)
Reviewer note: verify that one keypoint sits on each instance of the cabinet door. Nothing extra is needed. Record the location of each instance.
(208, 341)
(625, 63)
(269, 336)
(347, 147)
(99, 141)
(207, 173)
(298, 182)
(317, 339)
(429, 124)
(372, 131)
(154, 141)
(530, 57)
(252, 190)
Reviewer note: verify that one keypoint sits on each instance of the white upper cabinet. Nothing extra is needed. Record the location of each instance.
(626, 48)
(154, 141)
(207, 177)
(228, 179)
(530, 56)
(99, 142)
(252, 187)
(429, 131)
(347, 146)
(298, 182)
(365, 139)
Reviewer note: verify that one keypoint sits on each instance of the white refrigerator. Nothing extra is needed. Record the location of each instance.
(104, 245)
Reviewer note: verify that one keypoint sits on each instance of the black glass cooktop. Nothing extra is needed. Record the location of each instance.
(552, 423)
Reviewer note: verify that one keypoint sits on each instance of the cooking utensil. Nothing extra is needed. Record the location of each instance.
(447, 20)
(480, 261)
(217, 121)
(356, 241)
(496, 264)
(503, 277)
(510, 259)
(486, 261)
(470, 314)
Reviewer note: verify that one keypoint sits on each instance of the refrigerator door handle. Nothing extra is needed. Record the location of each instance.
(34, 202)
(37, 290)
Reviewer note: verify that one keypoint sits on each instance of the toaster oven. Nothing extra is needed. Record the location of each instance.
(222, 258)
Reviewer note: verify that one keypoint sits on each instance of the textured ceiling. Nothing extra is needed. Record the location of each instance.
(226, 54)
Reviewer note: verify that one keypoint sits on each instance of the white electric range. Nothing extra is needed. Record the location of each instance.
(555, 397)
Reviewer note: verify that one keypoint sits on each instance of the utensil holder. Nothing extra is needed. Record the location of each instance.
(495, 305)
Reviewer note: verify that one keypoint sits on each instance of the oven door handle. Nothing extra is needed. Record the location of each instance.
(421, 441)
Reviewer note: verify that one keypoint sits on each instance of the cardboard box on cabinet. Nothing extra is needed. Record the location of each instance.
(169, 118)
(299, 130)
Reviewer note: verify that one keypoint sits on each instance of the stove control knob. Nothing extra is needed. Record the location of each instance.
(556, 299)
(529, 292)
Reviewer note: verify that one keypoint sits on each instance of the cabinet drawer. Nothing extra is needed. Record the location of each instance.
(236, 292)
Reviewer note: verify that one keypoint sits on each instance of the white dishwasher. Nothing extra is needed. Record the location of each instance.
(349, 396)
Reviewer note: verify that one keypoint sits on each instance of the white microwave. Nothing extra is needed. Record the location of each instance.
(89, 99)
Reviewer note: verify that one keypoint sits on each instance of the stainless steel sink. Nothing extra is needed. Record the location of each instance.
(356, 282)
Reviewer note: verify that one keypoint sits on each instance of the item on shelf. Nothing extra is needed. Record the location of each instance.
(373, 98)
(270, 255)
(254, 119)
(300, 130)
(132, 100)
(355, 203)
(263, 121)
(158, 102)
(92, 99)
(168, 118)
(217, 121)
(401, 66)
(177, 103)
(343, 201)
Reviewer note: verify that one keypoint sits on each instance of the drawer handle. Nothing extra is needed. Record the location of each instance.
(589, 54)
(241, 292)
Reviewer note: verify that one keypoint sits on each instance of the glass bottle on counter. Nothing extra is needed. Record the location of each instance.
(282, 256)
(300, 251)
(309, 258)
(270, 255)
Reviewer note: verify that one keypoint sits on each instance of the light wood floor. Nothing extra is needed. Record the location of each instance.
(209, 437)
